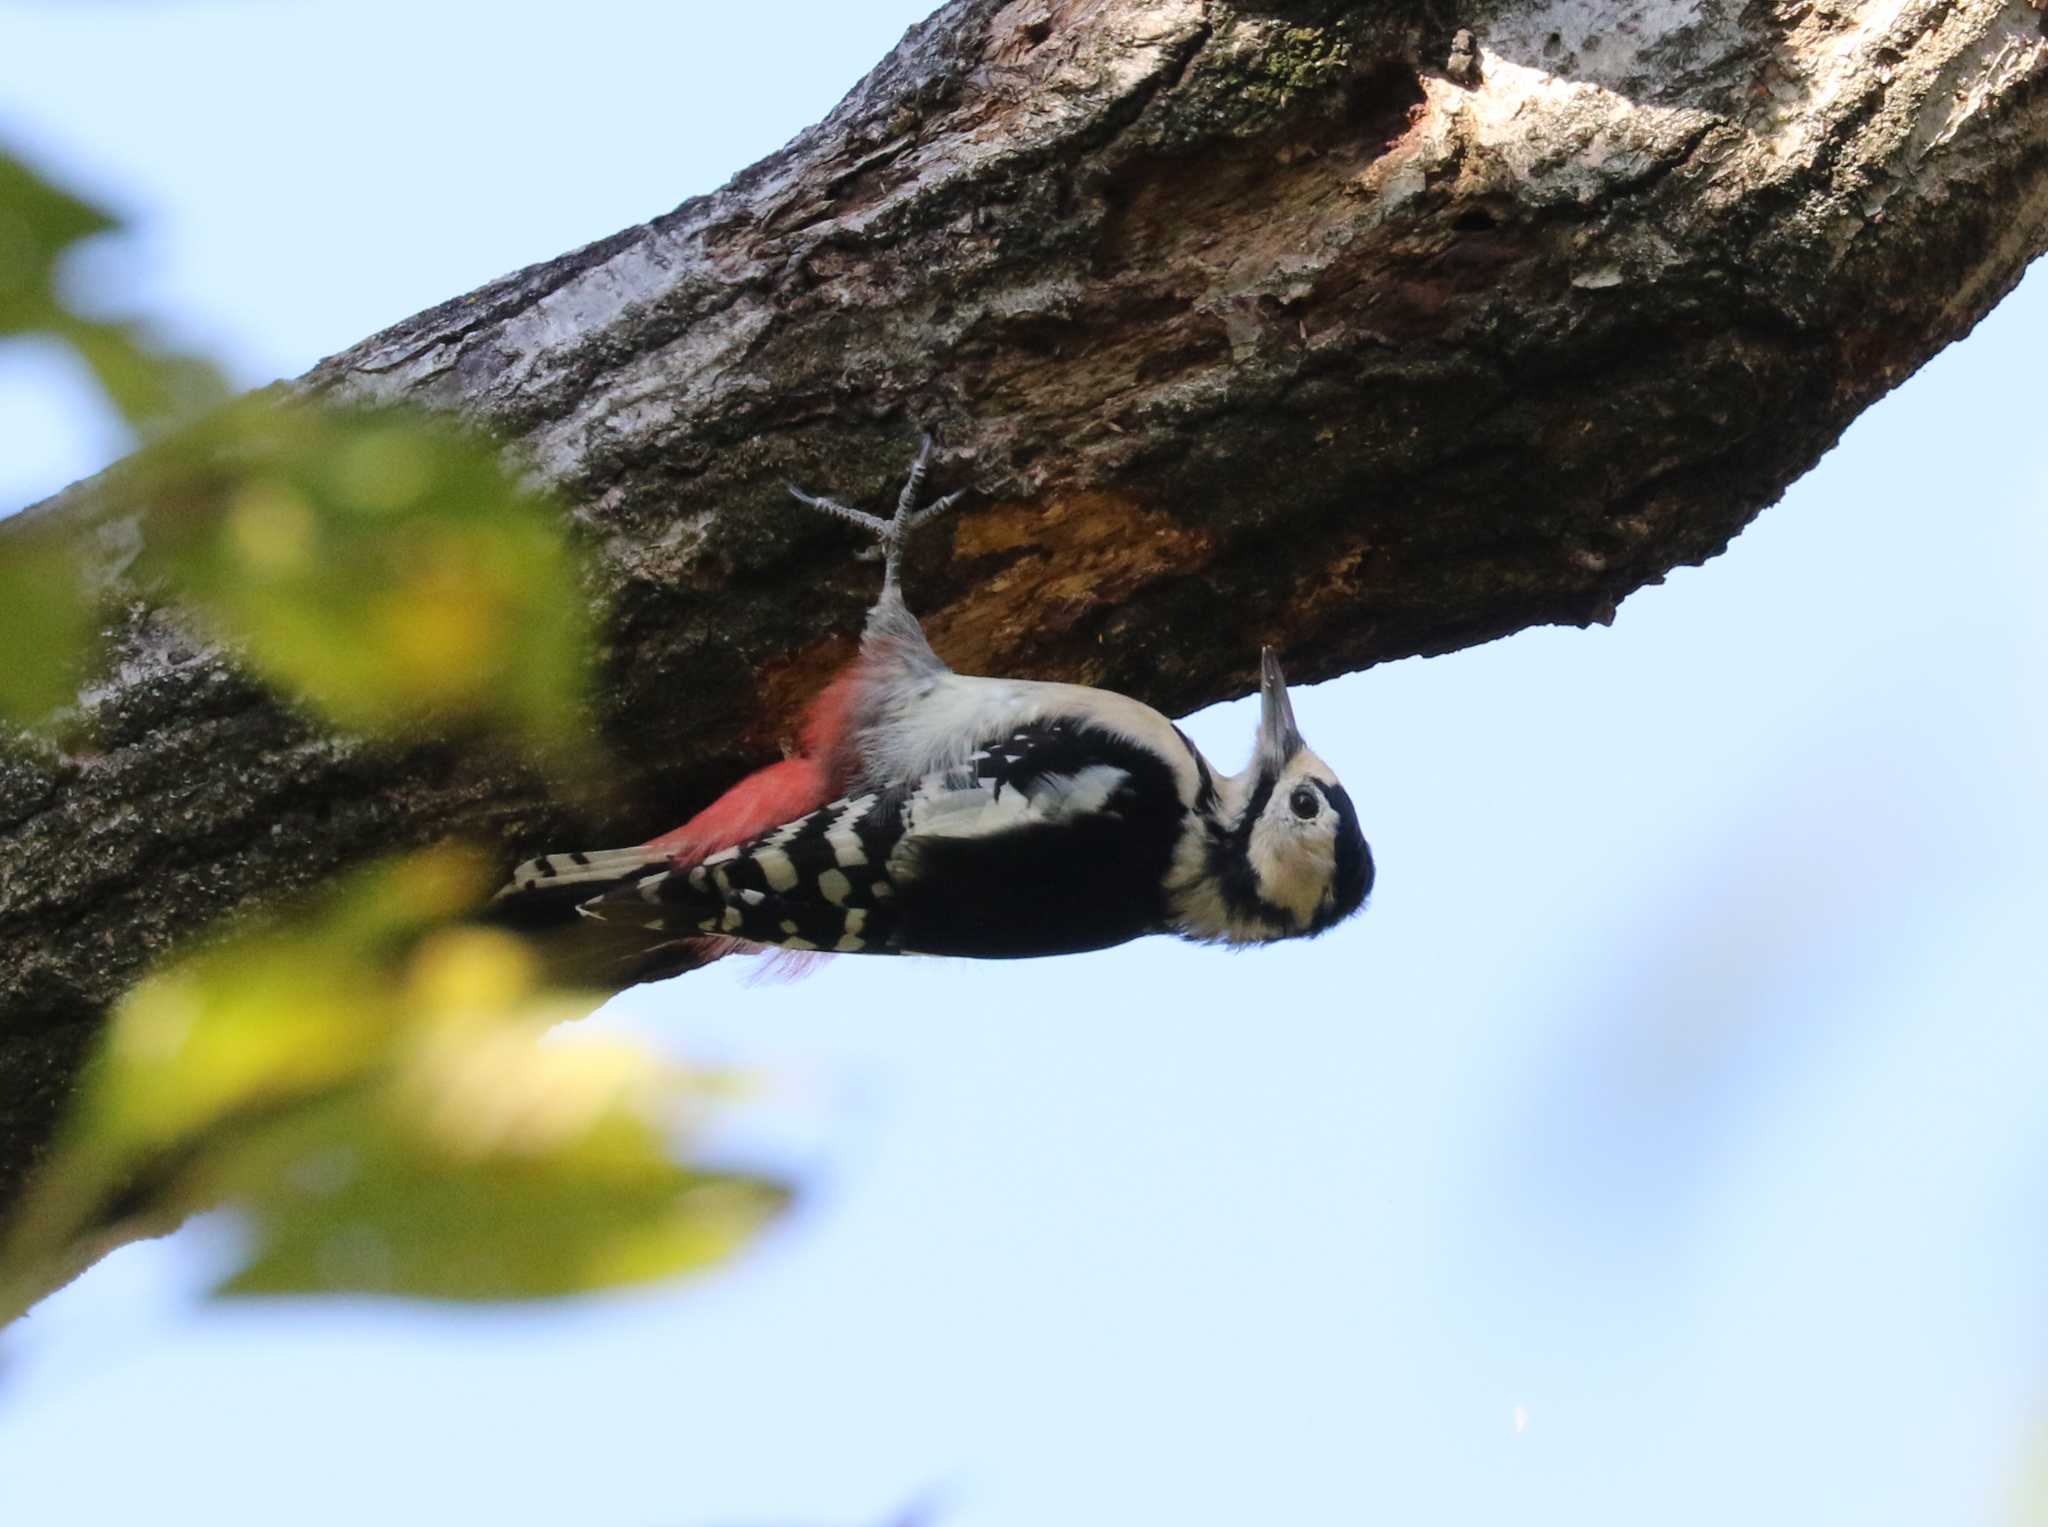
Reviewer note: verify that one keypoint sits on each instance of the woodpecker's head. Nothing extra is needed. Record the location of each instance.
(1285, 856)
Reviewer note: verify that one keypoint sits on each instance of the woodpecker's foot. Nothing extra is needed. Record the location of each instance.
(895, 531)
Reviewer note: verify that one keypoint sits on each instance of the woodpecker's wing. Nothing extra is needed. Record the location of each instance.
(818, 882)
(1052, 838)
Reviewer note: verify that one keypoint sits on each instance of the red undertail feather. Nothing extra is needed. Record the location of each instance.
(778, 793)
(764, 799)
(770, 796)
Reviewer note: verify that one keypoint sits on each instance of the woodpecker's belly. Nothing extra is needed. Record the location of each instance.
(1036, 891)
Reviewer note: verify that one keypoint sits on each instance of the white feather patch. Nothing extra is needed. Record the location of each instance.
(982, 810)
(922, 732)
(776, 868)
(846, 847)
(597, 864)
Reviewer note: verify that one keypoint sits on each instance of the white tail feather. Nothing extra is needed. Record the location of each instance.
(604, 864)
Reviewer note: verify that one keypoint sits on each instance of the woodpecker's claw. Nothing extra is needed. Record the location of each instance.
(872, 523)
(906, 501)
(896, 530)
(933, 510)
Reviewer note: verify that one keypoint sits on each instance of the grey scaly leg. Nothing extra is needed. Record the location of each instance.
(895, 531)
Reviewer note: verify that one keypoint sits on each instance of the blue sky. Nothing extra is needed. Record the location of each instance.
(1678, 1095)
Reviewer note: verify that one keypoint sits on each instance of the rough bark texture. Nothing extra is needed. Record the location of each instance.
(1304, 323)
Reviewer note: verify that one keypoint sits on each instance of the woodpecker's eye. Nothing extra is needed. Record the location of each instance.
(1304, 803)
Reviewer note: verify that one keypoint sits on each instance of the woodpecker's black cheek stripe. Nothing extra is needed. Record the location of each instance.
(1262, 795)
(1230, 862)
(1353, 880)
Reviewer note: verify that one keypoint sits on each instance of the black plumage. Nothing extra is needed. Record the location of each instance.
(1052, 838)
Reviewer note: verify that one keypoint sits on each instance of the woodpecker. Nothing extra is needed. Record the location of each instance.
(931, 812)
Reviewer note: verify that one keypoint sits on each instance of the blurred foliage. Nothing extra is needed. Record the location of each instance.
(368, 1083)
(366, 1079)
(46, 624)
(45, 617)
(382, 566)
(40, 226)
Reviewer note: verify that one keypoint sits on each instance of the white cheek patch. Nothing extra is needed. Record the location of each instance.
(1295, 861)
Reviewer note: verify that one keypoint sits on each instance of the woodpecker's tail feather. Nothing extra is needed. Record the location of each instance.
(545, 895)
(545, 892)
(575, 868)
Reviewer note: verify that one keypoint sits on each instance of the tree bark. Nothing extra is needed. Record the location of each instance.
(1306, 323)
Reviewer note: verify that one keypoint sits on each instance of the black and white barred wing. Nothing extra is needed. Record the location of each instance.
(976, 860)
(819, 882)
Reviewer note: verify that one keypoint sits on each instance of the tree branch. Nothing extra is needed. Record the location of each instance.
(1295, 322)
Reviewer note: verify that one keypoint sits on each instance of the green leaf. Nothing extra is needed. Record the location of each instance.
(46, 615)
(374, 1089)
(365, 1079)
(39, 227)
(151, 387)
(506, 1171)
(281, 1014)
(46, 627)
(382, 566)
(290, 1009)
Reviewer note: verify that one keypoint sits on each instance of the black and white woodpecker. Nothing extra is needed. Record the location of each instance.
(932, 812)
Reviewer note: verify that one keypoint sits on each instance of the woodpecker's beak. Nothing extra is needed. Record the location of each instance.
(1279, 737)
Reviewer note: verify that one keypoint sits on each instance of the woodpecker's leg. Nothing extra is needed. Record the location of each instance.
(895, 531)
